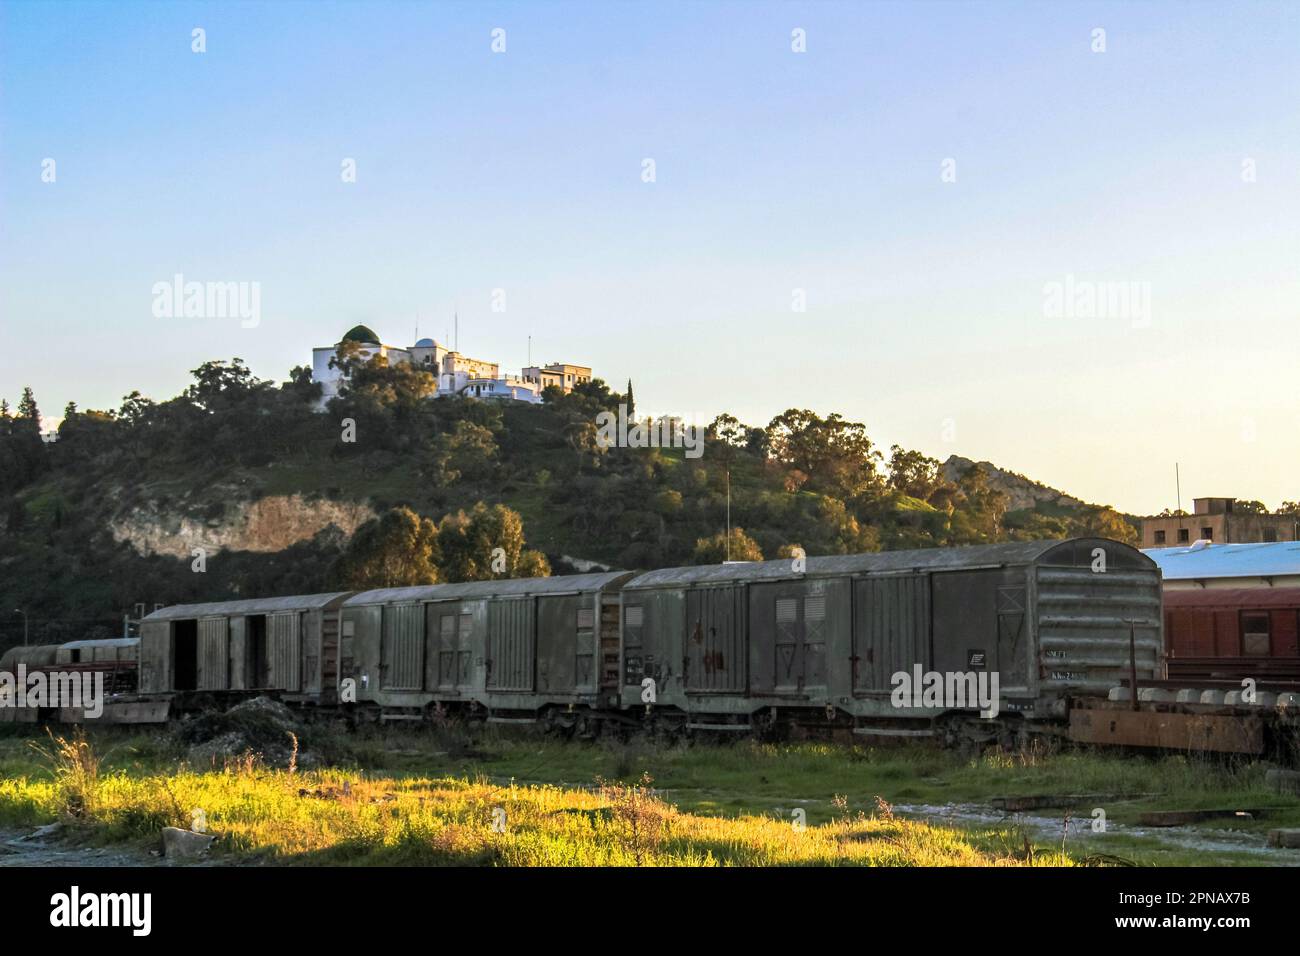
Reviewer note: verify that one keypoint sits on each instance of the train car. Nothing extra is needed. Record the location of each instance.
(33, 656)
(114, 658)
(1232, 633)
(30, 658)
(511, 650)
(117, 658)
(287, 646)
(729, 645)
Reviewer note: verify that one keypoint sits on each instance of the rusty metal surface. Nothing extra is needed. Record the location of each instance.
(1174, 731)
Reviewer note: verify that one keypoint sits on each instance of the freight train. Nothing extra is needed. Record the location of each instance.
(1069, 632)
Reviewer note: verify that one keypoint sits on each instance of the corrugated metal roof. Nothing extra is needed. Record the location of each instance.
(505, 587)
(924, 559)
(1228, 560)
(305, 602)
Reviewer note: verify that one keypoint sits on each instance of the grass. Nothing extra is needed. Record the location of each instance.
(442, 796)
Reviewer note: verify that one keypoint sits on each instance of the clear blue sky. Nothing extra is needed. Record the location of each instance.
(775, 171)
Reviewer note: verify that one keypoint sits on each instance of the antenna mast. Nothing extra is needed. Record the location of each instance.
(1178, 490)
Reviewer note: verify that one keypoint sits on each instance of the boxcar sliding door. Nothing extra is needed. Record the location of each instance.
(715, 641)
(450, 629)
(402, 651)
(511, 645)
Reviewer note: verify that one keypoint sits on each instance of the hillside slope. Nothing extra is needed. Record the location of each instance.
(269, 493)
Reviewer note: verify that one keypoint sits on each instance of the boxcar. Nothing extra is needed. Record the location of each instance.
(518, 648)
(116, 657)
(1052, 618)
(287, 645)
(1231, 633)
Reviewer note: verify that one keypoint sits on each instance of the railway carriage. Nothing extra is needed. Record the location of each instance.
(1231, 633)
(726, 645)
(287, 645)
(749, 646)
(520, 649)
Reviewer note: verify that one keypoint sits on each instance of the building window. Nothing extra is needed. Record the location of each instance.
(1254, 635)
(1160, 537)
(1183, 535)
(1207, 534)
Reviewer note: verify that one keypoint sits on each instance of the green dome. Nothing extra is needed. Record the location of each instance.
(360, 333)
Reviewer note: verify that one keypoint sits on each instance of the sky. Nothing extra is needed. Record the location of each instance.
(912, 222)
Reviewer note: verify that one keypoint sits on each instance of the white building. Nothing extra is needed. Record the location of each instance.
(330, 378)
(456, 374)
(509, 386)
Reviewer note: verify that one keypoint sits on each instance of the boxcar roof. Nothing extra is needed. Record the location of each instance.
(505, 587)
(105, 642)
(302, 602)
(1071, 552)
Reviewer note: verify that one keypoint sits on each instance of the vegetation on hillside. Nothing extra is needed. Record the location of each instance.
(461, 477)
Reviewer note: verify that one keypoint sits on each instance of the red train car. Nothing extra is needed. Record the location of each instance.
(1231, 633)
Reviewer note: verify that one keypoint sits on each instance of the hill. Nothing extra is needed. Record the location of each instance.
(237, 487)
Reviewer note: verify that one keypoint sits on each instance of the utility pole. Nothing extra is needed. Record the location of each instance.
(1178, 490)
(728, 514)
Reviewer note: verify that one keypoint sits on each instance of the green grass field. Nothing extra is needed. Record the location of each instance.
(429, 796)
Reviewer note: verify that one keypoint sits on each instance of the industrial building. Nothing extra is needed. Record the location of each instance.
(1207, 565)
(1221, 521)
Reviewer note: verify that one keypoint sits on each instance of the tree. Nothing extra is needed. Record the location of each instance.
(1108, 523)
(714, 550)
(912, 473)
(1249, 507)
(399, 549)
(487, 543)
(631, 402)
(833, 454)
(978, 520)
(466, 451)
(1288, 508)
(217, 384)
(27, 410)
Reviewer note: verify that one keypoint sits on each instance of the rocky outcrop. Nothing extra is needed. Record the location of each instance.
(267, 524)
(1022, 493)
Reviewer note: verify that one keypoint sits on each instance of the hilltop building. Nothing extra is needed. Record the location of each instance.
(457, 374)
(1215, 519)
(558, 374)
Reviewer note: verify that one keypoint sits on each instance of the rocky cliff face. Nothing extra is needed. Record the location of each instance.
(1021, 492)
(267, 524)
